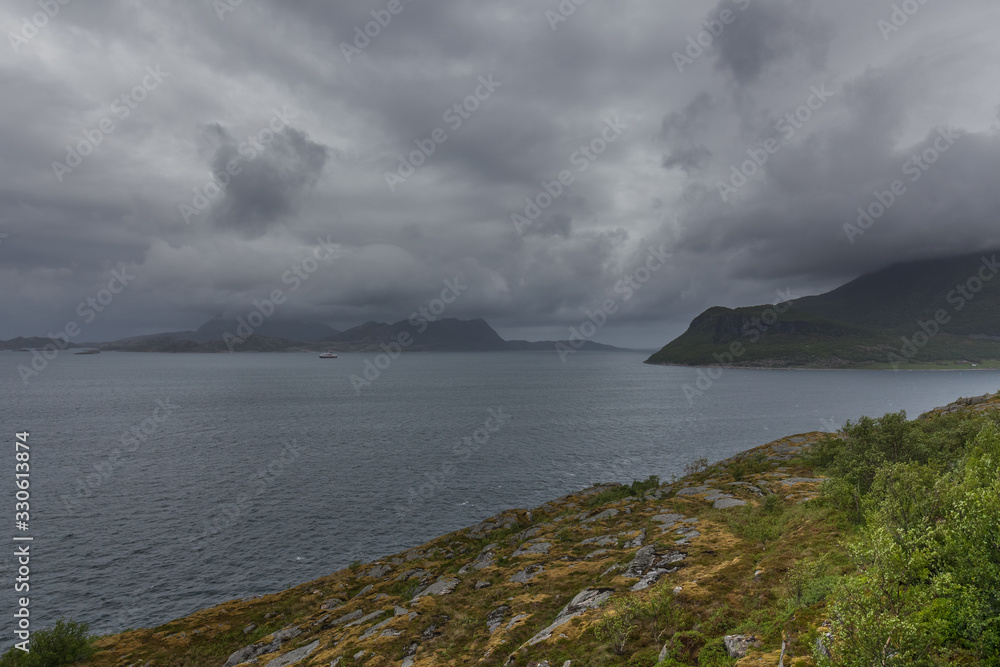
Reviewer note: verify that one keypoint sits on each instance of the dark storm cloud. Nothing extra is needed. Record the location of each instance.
(680, 132)
(324, 177)
(272, 177)
(768, 33)
(555, 224)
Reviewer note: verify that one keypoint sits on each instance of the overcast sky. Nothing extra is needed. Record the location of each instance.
(162, 95)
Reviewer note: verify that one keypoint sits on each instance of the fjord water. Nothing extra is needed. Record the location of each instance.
(272, 470)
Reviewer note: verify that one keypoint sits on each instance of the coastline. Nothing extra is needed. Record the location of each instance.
(525, 586)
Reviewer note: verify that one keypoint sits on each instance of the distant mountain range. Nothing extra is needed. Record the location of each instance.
(941, 313)
(221, 335)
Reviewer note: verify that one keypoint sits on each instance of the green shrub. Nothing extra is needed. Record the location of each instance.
(618, 623)
(928, 584)
(762, 523)
(645, 658)
(65, 643)
(661, 611)
(810, 582)
(683, 647)
(700, 464)
(758, 463)
(714, 654)
(636, 489)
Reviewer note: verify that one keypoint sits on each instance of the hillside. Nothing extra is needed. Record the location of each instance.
(746, 557)
(927, 314)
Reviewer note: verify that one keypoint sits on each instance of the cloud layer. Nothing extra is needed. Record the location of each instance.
(726, 155)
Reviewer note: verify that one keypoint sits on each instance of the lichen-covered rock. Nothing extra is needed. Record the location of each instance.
(439, 587)
(590, 598)
(606, 514)
(536, 548)
(248, 653)
(495, 618)
(738, 645)
(294, 657)
(527, 573)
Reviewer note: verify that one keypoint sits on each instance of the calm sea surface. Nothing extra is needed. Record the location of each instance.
(254, 472)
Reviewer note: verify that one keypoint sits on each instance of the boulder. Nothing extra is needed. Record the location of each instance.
(527, 573)
(439, 587)
(248, 653)
(738, 645)
(294, 657)
(590, 598)
(606, 514)
(536, 548)
(495, 618)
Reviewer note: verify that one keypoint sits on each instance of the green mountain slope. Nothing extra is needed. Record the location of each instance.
(931, 312)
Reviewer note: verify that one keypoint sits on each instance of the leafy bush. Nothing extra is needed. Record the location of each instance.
(810, 582)
(661, 611)
(700, 464)
(683, 647)
(636, 489)
(758, 463)
(761, 523)
(618, 623)
(738, 470)
(928, 584)
(64, 644)
(714, 654)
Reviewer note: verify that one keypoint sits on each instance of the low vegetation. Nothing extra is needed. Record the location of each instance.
(66, 643)
(926, 497)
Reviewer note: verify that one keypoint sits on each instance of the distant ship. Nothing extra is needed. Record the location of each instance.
(88, 352)
(328, 355)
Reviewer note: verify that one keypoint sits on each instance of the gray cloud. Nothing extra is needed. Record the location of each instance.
(769, 33)
(655, 184)
(681, 130)
(271, 179)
